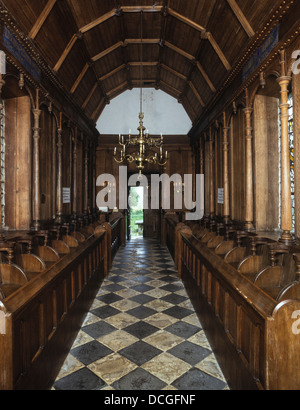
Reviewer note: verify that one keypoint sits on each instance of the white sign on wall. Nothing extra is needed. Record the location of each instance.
(221, 196)
(66, 195)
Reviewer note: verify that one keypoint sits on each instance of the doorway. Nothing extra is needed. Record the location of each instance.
(136, 211)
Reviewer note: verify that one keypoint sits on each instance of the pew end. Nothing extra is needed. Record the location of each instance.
(12, 277)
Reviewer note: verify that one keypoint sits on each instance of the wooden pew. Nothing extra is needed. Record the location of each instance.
(12, 277)
(258, 260)
(54, 304)
(250, 332)
(281, 276)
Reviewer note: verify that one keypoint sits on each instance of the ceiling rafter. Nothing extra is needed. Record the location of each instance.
(165, 10)
(176, 73)
(217, 49)
(111, 73)
(195, 91)
(108, 51)
(185, 20)
(116, 89)
(86, 101)
(241, 17)
(99, 109)
(205, 35)
(41, 19)
(66, 52)
(137, 41)
(205, 76)
(79, 78)
(117, 12)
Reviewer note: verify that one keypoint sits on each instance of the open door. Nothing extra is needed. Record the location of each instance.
(136, 212)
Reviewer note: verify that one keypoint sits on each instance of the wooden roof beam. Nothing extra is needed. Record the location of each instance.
(116, 12)
(118, 88)
(241, 17)
(174, 90)
(144, 9)
(176, 73)
(204, 74)
(185, 20)
(66, 52)
(206, 35)
(179, 51)
(99, 109)
(196, 93)
(218, 50)
(107, 51)
(90, 95)
(111, 73)
(98, 21)
(79, 78)
(41, 19)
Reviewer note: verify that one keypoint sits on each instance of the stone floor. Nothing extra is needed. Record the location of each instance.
(141, 332)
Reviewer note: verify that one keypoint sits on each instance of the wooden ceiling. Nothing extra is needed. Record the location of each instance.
(188, 48)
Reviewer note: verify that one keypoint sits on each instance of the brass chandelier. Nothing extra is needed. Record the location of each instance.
(145, 144)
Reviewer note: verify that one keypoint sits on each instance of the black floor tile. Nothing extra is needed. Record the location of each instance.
(90, 352)
(189, 352)
(98, 329)
(141, 312)
(141, 329)
(82, 379)
(171, 287)
(195, 379)
(182, 329)
(139, 379)
(178, 312)
(142, 299)
(105, 311)
(174, 298)
(140, 352)
(109, 298)
(142, 288)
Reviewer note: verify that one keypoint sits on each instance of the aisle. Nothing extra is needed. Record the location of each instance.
(141, 332)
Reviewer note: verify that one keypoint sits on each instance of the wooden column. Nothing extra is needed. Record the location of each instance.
(93, 200)
(226, 210)
(59, 198)
(201, 156)
(296, 127)
(74, 205)
(249, 166)
(211, 176)
(86, 179)
(2, 83)
(36, 190)
(286, 200)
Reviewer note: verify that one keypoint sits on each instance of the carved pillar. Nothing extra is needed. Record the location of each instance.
(74, 205)
(86, 179)
(59, 198)
(94, 179)
(296, 127)
(2, 83)
(211, 176)
(226, 211)
(201, 156)
(249, 166)
(36, 190)
(286, 200)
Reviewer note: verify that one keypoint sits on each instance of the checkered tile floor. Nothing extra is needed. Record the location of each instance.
(142, 332)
